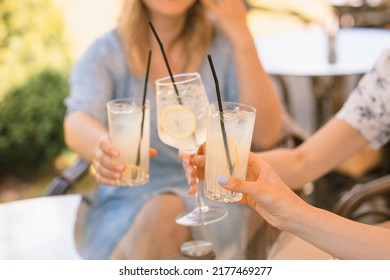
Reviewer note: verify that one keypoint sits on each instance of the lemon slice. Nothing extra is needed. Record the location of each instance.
(178, 121)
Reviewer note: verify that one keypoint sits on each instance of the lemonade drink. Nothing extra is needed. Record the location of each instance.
(125, 121)
(238, 120)
(182, 119)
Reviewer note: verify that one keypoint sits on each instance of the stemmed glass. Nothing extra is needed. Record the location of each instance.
(181, 118)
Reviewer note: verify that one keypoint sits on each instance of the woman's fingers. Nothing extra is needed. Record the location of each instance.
(189, 171)
(108, 170)
(153, 152)
(193, 166)
(238, 185)
(108, 148)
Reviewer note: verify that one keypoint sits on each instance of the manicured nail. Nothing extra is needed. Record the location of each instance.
(222, 180)
(186, 161)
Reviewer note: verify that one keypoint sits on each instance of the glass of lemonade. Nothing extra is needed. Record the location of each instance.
(238, 121)
(129, 127)
(182, 119)
(182, 109)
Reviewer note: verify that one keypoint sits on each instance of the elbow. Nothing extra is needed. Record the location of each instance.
(267, 142)
(66, 133)
(268, 137)
(300, 167)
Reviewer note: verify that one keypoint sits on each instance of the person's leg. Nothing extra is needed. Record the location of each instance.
(154, 233)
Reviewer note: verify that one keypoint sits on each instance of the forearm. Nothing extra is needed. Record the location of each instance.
(322, 152)
(340, 237)
(256, 89)
(289, 164)
(83, 133)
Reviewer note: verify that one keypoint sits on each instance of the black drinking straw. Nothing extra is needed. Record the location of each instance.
(221, 119)
(165, 59)
(143, 107)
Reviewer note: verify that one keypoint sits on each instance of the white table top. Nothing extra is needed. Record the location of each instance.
(305, 53)
(39, 228)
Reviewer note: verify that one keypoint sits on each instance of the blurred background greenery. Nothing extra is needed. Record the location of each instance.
(34, 63)
(32, 38)
(39, 41)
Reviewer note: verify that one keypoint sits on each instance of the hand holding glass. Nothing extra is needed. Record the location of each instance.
(129, 127)
(181, 120)
(238, 121)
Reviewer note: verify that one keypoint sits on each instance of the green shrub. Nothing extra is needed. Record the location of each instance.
(31, 130)
(32, 38)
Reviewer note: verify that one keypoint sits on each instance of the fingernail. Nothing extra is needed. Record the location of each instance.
(185, 160)
(222, 180)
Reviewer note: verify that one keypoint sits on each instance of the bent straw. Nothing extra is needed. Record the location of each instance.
(143, 108)
(221, 119)
(165, 59)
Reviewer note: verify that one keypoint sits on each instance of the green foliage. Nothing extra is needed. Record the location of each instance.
(31, 130)
(31, 39)
(33, 54)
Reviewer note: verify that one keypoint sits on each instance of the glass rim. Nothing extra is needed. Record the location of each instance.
(249, 109)
(138, 101)
(192, 77)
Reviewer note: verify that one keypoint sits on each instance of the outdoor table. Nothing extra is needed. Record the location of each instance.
(306, 53)
(44, 229)
(39, 228)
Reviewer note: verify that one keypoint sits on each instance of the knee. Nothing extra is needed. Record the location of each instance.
(162, 207)
(158, 216)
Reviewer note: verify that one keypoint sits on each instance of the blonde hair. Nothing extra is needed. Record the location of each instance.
(134, 32)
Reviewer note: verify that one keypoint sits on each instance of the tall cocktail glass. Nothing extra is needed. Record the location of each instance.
(126, 118)
(238, 120)
(182, 121)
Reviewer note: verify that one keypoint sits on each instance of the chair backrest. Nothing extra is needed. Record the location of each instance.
(62, 183)
(368, 202)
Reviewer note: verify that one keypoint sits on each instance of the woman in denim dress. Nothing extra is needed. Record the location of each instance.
(139, 223)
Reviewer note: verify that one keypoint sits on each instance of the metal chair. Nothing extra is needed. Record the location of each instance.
(368, 202)
(64, 182)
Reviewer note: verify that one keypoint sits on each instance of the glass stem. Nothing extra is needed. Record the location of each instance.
(199, 201)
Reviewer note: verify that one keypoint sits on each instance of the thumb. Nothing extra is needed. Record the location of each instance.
(238, 185)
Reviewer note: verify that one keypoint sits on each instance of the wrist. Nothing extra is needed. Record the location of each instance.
(242, 39)
(294, 218)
